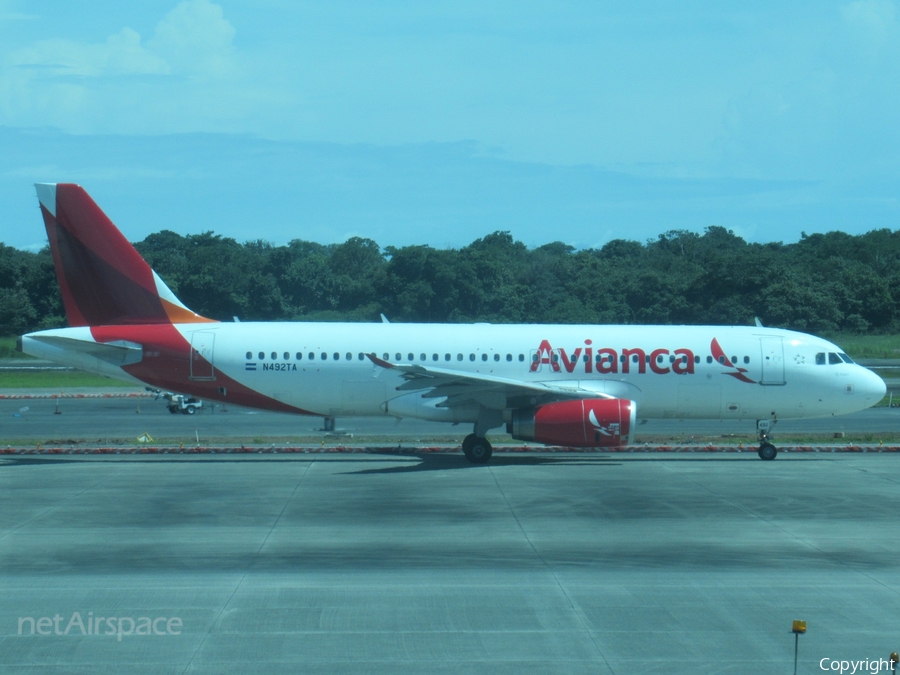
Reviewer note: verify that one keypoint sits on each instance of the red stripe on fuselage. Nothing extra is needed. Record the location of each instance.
(166, 365)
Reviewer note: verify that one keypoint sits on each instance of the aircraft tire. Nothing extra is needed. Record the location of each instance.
(477, 450)
(767, 451)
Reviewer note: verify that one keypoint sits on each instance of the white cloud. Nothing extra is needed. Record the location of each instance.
(121, 54)
(192, 38)
(196, 37)
(186, 77)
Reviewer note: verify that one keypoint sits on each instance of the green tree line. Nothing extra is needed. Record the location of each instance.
(825, 283)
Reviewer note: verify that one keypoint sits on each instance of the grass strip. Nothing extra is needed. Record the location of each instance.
(57, 379)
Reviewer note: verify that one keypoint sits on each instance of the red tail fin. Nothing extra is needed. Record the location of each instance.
(103, 279)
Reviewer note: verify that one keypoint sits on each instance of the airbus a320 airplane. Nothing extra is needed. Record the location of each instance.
(569, 385)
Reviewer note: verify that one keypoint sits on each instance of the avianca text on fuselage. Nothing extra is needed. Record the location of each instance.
(606, 360)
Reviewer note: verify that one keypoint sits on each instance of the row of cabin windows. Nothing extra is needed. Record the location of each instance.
(361, 356)
(601, 358)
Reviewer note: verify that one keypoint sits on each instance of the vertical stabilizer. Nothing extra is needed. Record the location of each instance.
(104, 281)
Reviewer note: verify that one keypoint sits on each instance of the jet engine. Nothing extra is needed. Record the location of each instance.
(584, 423)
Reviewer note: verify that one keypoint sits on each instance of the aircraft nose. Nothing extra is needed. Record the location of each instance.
(871, 386)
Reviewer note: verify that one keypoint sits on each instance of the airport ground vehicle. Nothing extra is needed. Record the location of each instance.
(179, 403)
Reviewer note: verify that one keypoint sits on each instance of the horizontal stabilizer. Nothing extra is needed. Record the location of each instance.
(117, 353)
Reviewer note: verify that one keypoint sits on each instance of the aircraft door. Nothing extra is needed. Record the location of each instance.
(772, 360)
(202, 355)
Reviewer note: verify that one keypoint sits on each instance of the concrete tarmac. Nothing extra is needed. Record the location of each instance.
(117, 419)
(427, 564)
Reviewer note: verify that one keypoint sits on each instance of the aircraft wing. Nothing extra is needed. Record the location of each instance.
(461, 388)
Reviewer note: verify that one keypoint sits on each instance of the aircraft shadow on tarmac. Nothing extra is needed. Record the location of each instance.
(410, 461)
(416, 461)
(431, 462)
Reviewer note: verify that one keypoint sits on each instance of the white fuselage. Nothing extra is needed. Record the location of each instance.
(669, 371)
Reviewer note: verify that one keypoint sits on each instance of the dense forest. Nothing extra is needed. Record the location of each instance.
(824, 283)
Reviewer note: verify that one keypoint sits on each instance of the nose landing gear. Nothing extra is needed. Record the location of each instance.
(767, 450)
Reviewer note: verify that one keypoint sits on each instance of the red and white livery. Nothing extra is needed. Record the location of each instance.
(572, 385)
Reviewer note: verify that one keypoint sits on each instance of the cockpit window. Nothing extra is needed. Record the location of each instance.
(833, 358)
(820, 359)
(845, 358)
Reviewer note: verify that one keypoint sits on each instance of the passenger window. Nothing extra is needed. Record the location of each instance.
(361, 356)
(386, 356)
(484, 357)
(446, 357)
(299, 356)
(411, 357)
(249, 355)
(471, 357)
(434, 357)
(709, 359)
(746, 359)
(459, 357)
(522, 358)
(555, 357)
(337, 357)
(496, 357)
(509, 357)
(422, 357)
(833, 358)
(274, 355)
(659, 359)
(261, 356)
(324, 356)
(398, 356)
(312, 356)
(634, 358)
(820, 359)
(349, 356)
(696, 358)
(287, 356)
(721, 359)
(734, 359)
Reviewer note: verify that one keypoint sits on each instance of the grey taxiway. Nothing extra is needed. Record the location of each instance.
(124, 419)
(412, 564)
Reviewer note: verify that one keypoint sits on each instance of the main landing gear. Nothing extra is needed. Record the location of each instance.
(477, 449)
(767, 451)
(475, 446)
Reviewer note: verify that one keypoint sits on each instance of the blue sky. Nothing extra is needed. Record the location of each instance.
(440, 122)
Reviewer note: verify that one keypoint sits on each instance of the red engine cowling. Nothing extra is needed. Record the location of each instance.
(585, 423)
